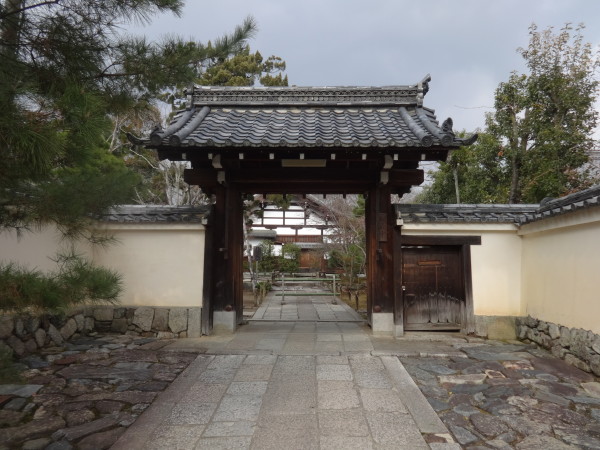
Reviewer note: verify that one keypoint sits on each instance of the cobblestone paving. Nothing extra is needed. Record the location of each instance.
(308, 385)
(510, 395)
(86, 394)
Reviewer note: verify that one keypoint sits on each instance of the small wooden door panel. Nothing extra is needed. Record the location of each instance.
(433, 288)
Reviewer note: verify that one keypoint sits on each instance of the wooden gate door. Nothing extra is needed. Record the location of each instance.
(433, 288)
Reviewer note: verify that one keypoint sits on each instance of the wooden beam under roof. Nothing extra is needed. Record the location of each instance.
(304, 180)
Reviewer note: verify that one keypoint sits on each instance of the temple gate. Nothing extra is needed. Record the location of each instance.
(295, 140)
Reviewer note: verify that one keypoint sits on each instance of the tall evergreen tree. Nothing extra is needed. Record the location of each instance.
(66, 74)
(65, 71)
(537, 141)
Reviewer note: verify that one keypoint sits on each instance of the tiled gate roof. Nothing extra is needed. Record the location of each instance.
(307, 117)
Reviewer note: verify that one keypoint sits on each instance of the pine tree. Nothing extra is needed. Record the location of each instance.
(65, 71)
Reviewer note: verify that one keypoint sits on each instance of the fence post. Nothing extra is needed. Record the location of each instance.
(334, 284)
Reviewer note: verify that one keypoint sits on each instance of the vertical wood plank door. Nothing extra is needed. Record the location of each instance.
(434, 293)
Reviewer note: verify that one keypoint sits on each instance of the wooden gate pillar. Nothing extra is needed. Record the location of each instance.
(380, 223)
(223, 298)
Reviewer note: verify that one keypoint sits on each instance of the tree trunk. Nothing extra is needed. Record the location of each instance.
(515, 185)
(456, 189)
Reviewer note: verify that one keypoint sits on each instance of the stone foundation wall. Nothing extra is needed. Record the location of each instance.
(24, 334)
(578, 347)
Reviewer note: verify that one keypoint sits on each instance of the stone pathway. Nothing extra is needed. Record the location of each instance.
(293, 386)
(86, 394)
(302, 385)
(304, 307)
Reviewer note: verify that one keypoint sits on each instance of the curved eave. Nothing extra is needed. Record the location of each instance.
(352, 127)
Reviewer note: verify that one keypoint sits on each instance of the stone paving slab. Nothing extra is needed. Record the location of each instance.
(324, 385)
(292, 401)
(305, 308)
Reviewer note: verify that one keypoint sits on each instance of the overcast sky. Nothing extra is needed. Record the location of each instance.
(468, 46)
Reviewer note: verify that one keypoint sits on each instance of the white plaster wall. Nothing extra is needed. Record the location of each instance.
(561, 266)
(161, 265)
(36, 249)
(495, 264)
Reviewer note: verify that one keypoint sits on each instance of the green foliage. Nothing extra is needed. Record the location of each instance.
(243, 69)
(359, 209)
(483, 175)
(350, 259)
(287, 262)
(537, 141)
(77, 281)
(290, 258)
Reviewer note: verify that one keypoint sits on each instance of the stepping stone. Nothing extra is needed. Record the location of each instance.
(20, 390)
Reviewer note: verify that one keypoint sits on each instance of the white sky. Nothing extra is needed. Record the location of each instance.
(468, 46)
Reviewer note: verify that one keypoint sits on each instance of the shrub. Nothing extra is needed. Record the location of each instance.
(77, 281)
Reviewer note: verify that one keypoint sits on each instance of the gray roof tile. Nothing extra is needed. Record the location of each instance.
(307, 117)
(517, 214)
(156, 214)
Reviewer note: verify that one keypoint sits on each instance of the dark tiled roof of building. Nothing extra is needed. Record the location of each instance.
(309, 245)
(262, 234)
(307, 117)
(157, 214)
(517, 214)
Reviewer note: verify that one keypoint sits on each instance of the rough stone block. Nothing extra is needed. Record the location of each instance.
(195, 323)
(68, 329)
(55, 335)
(592, 388)
(545, 341)
(383, 324)
(533, 335)
(574, 361)
(595, 365)
(104, 313)
(161, 320)
(17, 345)
(178, 319)
(596, 344)
(165, 335)
(80, 321)
(7, 326)
(32, 323)
(523, 332)
(30, 345)
(565, 337)
(496, 327)
(143, 318)
(579, 341)
(119, 325)
(223, 322)
(119, 313)
(531, 322)
(558, 351)
(542, 326)
(88, 325)
(19, 327)
(553, 331)
(40, 337)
